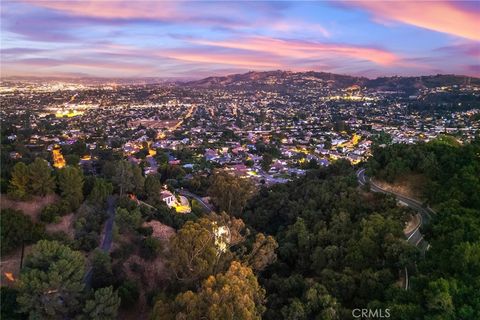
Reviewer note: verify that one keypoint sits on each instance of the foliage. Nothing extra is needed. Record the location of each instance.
(103, 306)
(50, 284)
(128, 219)
(149, 248)
(40, 178)
(336, 250)
(263, 252)
(152, 186)
(128, 178)
(9, 305)
(230, 193)
(102, 275)
(70, 183)
(19, 183)
(173, 172)
(194, 254)
(15, 228)
(52, 212)
(88, 225)
(234, 294)
(128, 293)
(447, 284)
(100, 191)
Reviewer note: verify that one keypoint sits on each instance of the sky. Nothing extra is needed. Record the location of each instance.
(195, 39)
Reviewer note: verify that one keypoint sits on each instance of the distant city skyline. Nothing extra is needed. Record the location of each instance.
(198, 39)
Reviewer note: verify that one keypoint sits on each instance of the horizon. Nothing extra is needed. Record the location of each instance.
(177, 79)
(194, 40)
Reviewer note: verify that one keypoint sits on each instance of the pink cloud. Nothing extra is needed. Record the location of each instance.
(232, 59)
(442, 16)
(166, 11)
(112, 9)
(304, 49)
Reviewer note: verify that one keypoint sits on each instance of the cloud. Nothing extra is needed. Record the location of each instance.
(442, 16)
(304, 49)
(467, 49)
(117, 11)
(221, 58)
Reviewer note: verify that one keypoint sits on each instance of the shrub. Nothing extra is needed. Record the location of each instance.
(128, 293)
(49, 213)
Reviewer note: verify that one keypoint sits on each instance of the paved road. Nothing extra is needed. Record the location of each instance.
(188, 194)
(414, 237)
(107, 240)
(108, 233)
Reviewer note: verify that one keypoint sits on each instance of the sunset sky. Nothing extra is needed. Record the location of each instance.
(108, 38)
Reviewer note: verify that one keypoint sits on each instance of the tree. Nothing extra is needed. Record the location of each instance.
(15, 228)
(104, 305)
(128, 293)
(230, 193)
(438, 297)
(149, 248)
(9, 305)
(102, 275)
(19, 182)
(138, 180)
(152, 187)
(234, 294)
(263, 252)
(123, 177)
(40, 177)
(128, 178)
(50, 284)
(128, 220)
(70, 182)
(100, 191)
(194, 253)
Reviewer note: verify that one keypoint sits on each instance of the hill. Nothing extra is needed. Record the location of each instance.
(284, 79)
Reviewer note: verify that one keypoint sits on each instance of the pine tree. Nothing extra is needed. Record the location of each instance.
(50, 285)
(70, 182)
(104, 305)
(40, 177)
(18, 187)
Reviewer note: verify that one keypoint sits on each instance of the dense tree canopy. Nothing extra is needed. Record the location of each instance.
(230, 193)
(70, 183)
(17, 228)
(447, 283)
(234, 294)
(50, 284)
(19, 183)
(194, 253)
(103, 306)
(338, 247)
(40, 177)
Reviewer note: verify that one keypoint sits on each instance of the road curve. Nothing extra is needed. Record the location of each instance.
(188, 194)
(414, 237)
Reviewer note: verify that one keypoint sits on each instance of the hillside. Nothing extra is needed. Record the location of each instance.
(284, 79)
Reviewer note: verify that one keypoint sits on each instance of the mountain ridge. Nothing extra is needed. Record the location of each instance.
(278, 78)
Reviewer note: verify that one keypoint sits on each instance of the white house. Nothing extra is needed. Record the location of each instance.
(168, 198)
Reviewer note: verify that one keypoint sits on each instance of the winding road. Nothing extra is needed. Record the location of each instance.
(414, 237)
(188, 194)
